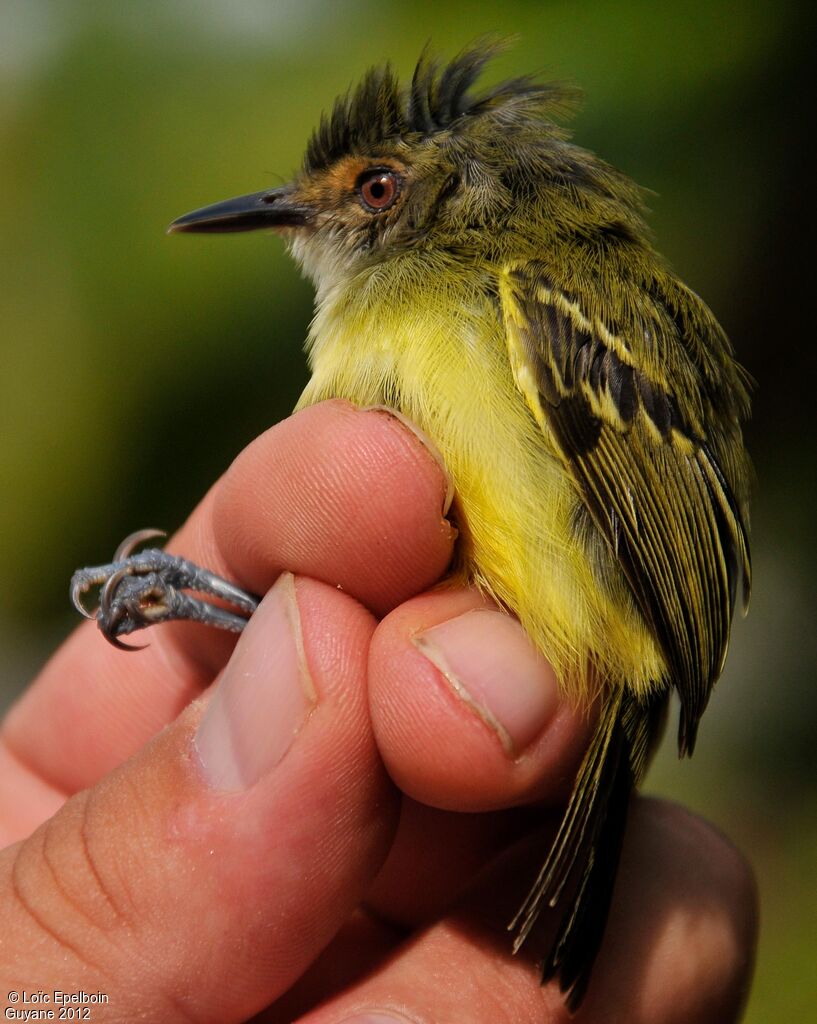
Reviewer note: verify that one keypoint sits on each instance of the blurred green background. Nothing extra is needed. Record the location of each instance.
(134, 366)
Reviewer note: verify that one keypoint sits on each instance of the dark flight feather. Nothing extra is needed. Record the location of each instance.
(658, 496)
(639, 465)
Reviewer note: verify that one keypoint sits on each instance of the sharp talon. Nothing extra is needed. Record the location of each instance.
(125, 549)
(114, 641)
(106, 597)
(105, 606)
(76, 600)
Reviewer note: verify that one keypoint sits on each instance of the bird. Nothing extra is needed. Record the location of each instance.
(497, 284)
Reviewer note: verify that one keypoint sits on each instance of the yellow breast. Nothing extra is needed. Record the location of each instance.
(444, 363)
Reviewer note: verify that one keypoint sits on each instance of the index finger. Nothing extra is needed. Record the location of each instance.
(347, 496)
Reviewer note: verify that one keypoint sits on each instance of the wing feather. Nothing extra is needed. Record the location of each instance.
(637, 448)
(645, 412)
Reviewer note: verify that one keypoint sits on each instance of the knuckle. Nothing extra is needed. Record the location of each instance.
(67, 880)
(47, 910)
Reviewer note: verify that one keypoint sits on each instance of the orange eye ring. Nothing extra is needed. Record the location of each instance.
(378, 189)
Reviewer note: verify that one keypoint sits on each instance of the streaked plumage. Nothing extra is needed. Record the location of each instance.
(506, 298)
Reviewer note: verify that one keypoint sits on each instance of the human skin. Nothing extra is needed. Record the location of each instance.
(300, 840)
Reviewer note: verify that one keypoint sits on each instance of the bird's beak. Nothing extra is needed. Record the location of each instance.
(276, 208)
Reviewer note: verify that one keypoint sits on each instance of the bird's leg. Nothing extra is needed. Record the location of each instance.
(142, 589)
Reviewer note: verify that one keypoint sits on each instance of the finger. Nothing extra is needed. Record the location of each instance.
(360, 947)
(436, 855)
(348, 496)
(202, 877)
(468, 714)
(468, 717)
(679, 946)
(366, 514)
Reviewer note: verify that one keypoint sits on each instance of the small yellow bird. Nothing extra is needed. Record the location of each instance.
(493, 282)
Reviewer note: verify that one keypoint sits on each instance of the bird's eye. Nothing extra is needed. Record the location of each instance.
(378, 189)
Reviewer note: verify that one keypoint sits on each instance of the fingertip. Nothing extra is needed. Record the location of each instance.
(489, 663)
(468, 715)
(342, 494)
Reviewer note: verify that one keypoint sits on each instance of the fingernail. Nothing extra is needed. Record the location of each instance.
(263, 698)
(491, 665)
(427, 443)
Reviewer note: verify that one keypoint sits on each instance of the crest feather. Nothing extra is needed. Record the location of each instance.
(379, 110)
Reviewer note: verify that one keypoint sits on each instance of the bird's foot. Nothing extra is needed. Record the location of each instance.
(139, 590)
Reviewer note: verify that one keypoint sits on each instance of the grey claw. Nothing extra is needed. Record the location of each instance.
(113, 581)
(76, 599)
(114, 641)
(83, 580)
(125, 549)
(109, 590)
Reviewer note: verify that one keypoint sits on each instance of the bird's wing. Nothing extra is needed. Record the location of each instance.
(647, 458)
(636, 388)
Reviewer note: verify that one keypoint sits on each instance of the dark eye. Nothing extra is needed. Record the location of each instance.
(378, 189)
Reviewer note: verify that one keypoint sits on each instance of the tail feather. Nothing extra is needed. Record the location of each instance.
(587, 847)
(551, 880)
(582, 929)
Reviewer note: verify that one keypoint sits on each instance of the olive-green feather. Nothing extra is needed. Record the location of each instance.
(651, 455)
(625, 387)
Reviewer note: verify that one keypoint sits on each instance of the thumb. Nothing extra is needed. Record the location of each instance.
(201, 878)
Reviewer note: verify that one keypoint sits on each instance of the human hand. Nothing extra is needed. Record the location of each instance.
(301, 836)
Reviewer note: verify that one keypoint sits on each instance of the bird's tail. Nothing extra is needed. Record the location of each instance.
(583, 860)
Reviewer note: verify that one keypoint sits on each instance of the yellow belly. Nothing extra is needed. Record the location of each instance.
(447, 369)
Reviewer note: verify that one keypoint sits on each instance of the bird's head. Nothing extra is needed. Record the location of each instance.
(431, 167)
